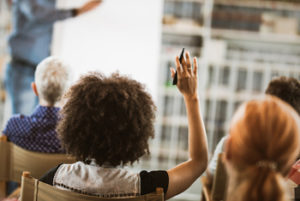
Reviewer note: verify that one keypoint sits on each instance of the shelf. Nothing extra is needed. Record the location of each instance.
(261, 4)
(193, 1)
(232, 34)
(224, 93)
(218, 92)
(165, 152)
(180, 121)
(266, 4)
(255, 36)
(183, 30)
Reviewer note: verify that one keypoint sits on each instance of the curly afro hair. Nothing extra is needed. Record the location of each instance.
(287, 89)
(108, 119)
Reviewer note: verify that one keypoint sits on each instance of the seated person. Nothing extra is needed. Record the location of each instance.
(263, 143)
(287, 89)
(37, 131)
(106, 124)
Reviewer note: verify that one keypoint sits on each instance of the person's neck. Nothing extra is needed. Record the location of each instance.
(45, 103)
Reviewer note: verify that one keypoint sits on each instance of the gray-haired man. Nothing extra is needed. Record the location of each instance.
(37, 131)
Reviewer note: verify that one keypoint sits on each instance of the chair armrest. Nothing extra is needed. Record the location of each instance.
(206, 191)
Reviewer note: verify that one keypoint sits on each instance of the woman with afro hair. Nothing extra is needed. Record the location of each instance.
(106, 123)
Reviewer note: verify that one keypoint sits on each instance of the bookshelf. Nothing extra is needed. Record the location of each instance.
(5, 28)
(237, 61)
(278, 5)
(241, 46)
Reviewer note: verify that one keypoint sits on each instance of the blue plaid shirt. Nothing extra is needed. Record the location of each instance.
(35, 132)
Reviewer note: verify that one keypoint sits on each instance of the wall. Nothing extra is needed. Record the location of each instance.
(118, 35)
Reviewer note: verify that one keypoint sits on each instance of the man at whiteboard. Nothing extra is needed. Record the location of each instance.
(29, 43)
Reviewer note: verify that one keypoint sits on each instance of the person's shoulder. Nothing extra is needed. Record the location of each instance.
(14, 122)
(17, 118)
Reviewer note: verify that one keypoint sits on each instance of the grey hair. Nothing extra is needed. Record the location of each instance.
(52, 78)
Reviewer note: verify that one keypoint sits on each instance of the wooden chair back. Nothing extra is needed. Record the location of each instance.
(14, 160)
(219, 186)
(34, 190)
(218, 191)
(206, 191)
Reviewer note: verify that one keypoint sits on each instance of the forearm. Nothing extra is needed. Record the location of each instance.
(43, 13)
(184, 174)
(197, 135)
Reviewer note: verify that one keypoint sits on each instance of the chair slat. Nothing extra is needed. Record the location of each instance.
(220, 181)
(14, 160)
(43, 192)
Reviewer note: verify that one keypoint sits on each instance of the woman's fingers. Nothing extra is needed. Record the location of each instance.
(178, 67)
(185, 68)
(188, 63)
(195, 66)
(184, 65)
(172, 72)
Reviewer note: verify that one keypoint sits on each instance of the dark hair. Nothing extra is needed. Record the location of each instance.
(109, 119)
(287, 89)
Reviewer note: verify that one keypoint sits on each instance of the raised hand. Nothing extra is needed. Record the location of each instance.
(184, 174)
(187, 77)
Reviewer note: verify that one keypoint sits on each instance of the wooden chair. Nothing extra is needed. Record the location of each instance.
(206, 190)
(218, 190)
(14, 160)
(34, 190)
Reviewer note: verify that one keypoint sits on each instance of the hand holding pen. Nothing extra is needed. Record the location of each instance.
(180, 60)
(187, 77)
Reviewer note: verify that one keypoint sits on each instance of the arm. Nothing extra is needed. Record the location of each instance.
(183, 175)
(87, 7)
(36, 11)
(5, 132)
(39, 12)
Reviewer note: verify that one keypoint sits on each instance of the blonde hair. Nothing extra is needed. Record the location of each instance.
(264, 142)
(52, 79)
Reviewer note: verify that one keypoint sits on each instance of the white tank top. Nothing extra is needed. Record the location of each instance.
(100, 181)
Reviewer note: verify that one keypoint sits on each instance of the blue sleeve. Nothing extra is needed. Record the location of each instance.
(7, 129)
(10, 128)
(36, 11)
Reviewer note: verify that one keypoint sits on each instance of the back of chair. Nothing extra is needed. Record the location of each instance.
(206, 191)
(28, 186)
(218, 191)
(36, 163)
(4, 158)
(33, 190)
(14, 160)
(4, 165)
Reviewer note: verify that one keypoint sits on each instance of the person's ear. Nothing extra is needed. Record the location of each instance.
(33, 86)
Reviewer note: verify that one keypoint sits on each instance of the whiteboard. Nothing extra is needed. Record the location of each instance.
(119, 35)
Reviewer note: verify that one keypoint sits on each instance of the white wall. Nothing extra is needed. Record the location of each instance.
(121, 35)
